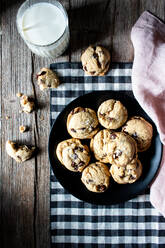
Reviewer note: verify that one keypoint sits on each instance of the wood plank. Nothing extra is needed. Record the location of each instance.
(108, 23)
(24, 187)
(17, 192)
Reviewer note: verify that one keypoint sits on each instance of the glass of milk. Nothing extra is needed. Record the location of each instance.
(43, 25)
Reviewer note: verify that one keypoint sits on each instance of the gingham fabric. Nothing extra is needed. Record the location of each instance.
(75, 223)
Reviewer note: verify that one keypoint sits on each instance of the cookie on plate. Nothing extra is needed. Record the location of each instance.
(82, 123)
(73, 155)
(141, 130)
(128, 174)
(112, 114)
(99, 145)
(96, 177)
(95, 61)
(122, 149)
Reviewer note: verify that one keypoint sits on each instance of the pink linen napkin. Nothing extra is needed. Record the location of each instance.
(148, 84)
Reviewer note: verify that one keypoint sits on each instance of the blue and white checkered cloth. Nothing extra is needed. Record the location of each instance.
(77, 224)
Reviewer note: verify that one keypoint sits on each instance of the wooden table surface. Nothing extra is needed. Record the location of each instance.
(24, 188)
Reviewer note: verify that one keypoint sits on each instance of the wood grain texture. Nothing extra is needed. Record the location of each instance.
(24, 188)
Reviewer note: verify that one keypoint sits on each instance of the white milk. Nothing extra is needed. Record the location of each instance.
(44, 28)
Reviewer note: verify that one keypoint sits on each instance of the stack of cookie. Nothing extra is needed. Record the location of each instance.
(115, 150)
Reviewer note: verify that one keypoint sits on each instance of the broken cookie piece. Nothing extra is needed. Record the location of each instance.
(27, 104)
(47, 79)
(20, 153)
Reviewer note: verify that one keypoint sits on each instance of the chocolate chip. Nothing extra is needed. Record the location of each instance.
(131, 177)
(113, 136)
(74, 165)
(82, 128)
(117, 154)
(73, 130)
(95, 56)
(92, 72)
(101, 188)
(41, 74)
(90, 180)
(81, 164)
(75, 156)
(134, 135)
(85, 68)
(121, 176)
(80, 149)
(124, 130)
(110, 118)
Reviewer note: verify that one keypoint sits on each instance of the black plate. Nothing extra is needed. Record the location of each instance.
(116, 193)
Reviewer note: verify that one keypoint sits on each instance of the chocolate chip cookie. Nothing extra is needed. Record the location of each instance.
(99, 145)
(20, 153)
(96, 177)
(82, 123)
(47, 79)
(95, 61)
(128, 174)
(141, 130)
(112, 114)
(73, 155)
(122, 149)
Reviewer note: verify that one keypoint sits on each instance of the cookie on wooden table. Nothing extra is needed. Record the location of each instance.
(95, 61)
(18, 152)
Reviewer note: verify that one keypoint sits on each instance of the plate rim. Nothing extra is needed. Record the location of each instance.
(132, 195)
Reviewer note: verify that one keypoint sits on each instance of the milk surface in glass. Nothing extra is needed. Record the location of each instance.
(44, 28)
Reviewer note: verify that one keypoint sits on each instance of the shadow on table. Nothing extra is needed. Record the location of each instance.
(89, 24)
(8, 4)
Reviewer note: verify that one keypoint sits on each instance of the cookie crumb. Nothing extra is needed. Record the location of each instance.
(22, 129)
(19, 94)
(41, 117)
(27, 104)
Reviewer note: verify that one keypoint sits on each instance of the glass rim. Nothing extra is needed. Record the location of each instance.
(56, 41)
